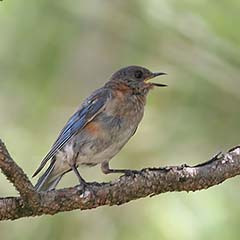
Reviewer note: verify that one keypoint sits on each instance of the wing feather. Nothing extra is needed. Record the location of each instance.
(91, 107)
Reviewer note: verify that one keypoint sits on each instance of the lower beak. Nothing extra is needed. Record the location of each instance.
(156, 75)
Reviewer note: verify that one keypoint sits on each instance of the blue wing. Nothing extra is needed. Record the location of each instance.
(88, 111)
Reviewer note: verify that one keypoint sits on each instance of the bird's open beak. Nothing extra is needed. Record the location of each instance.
(156, 75)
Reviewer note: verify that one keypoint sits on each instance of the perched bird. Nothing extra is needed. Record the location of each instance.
(99, 129)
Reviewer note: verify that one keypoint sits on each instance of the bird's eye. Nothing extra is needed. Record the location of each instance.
(138, 74)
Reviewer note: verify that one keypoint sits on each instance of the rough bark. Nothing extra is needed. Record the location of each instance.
(143, 183)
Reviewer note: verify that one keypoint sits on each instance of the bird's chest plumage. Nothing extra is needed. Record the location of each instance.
(104, 137)
(121, 117)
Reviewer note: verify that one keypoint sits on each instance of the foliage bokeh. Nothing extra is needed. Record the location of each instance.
(54, 53)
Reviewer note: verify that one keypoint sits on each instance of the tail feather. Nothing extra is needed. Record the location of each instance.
(49, 180)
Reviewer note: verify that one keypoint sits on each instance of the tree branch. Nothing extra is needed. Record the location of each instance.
(17, 177)
(147, 182)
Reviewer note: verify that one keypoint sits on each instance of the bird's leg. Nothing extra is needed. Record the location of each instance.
(80, 179)
(106, 170)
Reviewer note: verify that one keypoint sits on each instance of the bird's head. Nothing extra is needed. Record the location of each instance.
(137, 78)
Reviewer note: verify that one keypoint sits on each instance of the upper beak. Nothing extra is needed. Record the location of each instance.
(155, 75)
(159, 74)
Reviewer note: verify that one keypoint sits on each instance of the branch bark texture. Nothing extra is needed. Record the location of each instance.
(147, 182)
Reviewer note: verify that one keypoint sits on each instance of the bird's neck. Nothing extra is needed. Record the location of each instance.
(119, 86)
(125, 103)
(124, 88)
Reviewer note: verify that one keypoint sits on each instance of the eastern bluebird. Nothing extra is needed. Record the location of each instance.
(99, 129)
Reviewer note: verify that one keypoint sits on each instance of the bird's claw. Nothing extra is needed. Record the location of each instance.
(83, 186)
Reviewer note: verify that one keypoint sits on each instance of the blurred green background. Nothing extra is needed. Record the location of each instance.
(54, 53)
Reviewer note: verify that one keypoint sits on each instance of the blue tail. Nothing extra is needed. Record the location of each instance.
(49, 180)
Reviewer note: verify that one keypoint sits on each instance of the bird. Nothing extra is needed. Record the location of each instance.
(100, 127)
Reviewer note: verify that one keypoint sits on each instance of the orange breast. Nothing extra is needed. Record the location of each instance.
(93, 128)
(119, 95)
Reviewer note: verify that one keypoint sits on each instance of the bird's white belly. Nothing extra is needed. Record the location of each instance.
(94, 150)
(91, 158)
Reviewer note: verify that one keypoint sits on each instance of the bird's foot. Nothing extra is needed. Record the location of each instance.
(83, 186)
